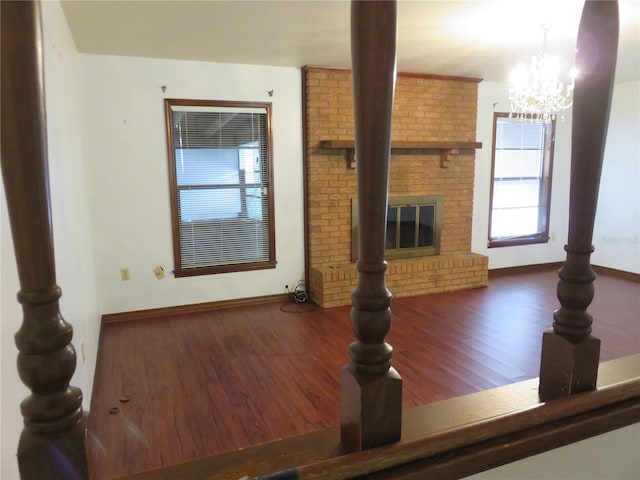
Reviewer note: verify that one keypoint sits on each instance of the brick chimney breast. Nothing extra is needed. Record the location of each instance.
(425, 109)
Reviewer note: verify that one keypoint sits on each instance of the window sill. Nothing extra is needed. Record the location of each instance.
(513, 242)
(241, 267)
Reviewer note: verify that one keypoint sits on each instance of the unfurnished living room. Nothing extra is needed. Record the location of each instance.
(214, 196)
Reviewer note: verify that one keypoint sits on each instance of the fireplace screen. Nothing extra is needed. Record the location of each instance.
(413, 227)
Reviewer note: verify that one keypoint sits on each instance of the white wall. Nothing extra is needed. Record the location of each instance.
(617, 230)
(128, 176)
(616, 235)
(493, 97)
(13, 391)
(71, 235)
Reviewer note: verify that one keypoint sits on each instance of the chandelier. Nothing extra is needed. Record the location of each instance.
(538, 95)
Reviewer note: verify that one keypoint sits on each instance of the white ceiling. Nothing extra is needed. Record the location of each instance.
(472, 38)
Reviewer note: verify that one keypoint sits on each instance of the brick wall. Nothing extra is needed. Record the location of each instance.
(425, 109)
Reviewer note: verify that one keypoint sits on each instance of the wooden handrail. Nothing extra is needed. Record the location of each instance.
(451, 439)
(510, 421)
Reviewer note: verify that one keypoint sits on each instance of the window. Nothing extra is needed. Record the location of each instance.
(521, 181)
(220, 181)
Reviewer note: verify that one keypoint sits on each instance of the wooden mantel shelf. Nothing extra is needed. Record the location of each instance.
(448, 150)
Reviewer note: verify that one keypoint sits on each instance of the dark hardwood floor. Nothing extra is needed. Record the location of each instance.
(211, 382)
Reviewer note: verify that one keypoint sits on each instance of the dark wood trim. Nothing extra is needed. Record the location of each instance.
(541, 237)
(178, 271)
(231, 268)
(193, 308)
(512, 447)
(433, 76)
(537, 267)
(448, 151)
(514, 242)
(430, 76)
(305, 181)
(631, 276)
(404, 145)
(463, 435)
(470, 434)
(491, 175)
(173, 181)
(634, 277)
(271, 186)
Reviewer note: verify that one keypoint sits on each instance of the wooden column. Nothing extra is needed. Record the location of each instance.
(570, 354)
(371, 390)
(52, 442)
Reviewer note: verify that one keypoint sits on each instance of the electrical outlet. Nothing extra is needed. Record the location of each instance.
(124, 274)
(553, 236)
(82, 354)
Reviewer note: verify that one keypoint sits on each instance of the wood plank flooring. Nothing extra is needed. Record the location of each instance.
(216, 381)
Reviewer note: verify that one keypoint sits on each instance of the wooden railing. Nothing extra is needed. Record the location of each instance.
(570, 354)
(447, 439)
(370, 388)
(52, 442)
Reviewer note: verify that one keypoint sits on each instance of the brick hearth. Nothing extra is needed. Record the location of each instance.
(425, 109)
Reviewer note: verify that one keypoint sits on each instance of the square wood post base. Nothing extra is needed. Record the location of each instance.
(567, 367)
(370, 409)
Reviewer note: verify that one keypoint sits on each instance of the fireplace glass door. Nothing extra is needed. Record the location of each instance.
(413, 227)
(410, 226)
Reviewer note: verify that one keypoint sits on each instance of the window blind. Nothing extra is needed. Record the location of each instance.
(520, 190)
(221, 166)
(518, 135)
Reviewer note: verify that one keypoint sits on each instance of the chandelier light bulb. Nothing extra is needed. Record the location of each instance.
(573, 74)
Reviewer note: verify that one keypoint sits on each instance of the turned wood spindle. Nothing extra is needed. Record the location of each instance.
(52, 442)
(371, 390)
(570, 354)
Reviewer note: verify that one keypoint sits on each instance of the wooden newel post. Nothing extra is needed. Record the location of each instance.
(52, 442)
(371, 390)
(570, 354)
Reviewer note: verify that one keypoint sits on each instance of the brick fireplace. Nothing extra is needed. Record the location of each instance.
(433, 133)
